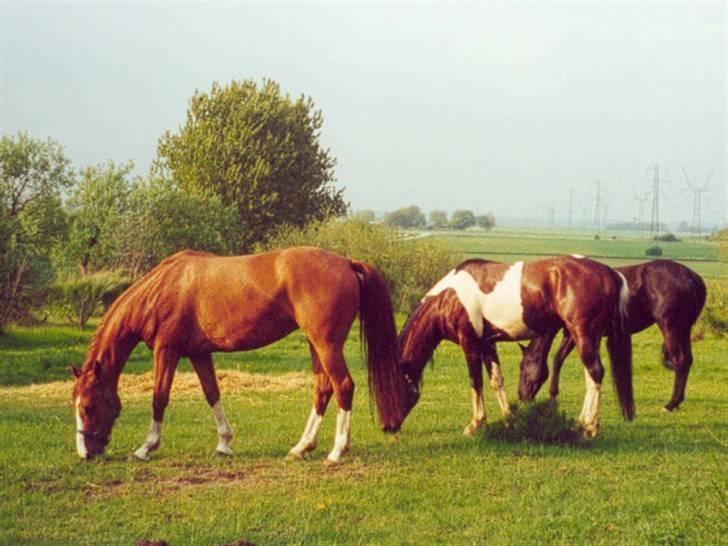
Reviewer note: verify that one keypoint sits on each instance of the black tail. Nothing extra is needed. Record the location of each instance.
(379, 340)
(619, 346)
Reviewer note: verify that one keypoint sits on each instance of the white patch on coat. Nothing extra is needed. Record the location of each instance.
(341, 441)
(153, 441)
(308, 438)
(589, 417)
(578, 256)
(502, 307)
(623, 296)
(224, 431)
(80, 440)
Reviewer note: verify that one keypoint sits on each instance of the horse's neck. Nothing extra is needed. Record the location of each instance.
(111, 348)
(422, 338)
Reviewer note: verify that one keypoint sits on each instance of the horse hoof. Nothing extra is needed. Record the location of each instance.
(471, 430)
(332, 462)
(141, 455)
(668, 409)
(224, 452)
(293, 456)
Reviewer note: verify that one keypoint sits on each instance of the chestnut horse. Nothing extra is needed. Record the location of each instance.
(482, 302)
(661, 292)
(193, 304)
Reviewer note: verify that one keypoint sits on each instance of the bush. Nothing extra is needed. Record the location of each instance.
(714, 317)
(410, 267)
(536, 422)
(79, 298)
(667, 238)
(654, 251)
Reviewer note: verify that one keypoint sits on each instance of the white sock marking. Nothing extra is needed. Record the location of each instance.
(498, 384)
(80, 440)
(478, 413)
(308, 438)
(343, 430)
(153, 441)
(502, 307)
(589, 417)
(224, 431)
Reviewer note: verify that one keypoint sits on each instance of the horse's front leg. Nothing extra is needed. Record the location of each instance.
(208, 381)
(475, 369)
(165, 364)
(588, 349)
(492, 366)
(322, 394)
(567, 345)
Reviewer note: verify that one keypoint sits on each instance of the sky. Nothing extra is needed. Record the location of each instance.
(500, 107)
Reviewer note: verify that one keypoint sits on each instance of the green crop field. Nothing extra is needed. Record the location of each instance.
(661, 479)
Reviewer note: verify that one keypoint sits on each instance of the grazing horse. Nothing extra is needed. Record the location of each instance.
(482, 302)
(661, 292)
(193, 304)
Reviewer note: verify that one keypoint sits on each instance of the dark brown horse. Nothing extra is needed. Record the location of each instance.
(481, 302)
(661, 292)
(194, 304)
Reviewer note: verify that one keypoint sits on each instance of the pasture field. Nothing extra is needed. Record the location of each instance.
(661, 479)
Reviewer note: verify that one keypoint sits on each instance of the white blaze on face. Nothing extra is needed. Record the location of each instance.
(502, 307)
(80, 440)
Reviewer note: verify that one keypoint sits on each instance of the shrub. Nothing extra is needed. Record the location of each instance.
(714, 317)
(410, 267)
(667, 238)
(79, 298)
(536, 422)
(654, 251)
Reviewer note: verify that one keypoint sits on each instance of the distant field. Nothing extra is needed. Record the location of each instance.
(509, 245)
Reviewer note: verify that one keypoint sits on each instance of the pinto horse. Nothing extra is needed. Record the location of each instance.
(661, 292)
(193, 304)
(482, 302)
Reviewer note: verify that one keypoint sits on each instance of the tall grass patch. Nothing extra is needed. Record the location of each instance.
(410, 266)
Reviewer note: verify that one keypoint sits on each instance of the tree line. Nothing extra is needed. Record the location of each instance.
(247, 160)
(413, 218)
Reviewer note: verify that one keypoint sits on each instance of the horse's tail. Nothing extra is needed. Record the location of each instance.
(379, 343)
(701, 293)
(619, 345)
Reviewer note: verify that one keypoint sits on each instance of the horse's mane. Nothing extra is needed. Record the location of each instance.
(138, 296)
(414, 325)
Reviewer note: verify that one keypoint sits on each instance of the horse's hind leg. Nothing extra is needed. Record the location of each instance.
(475, 369)
(208, 381)
(165, 364)
(492, 366)
(588, 348)
(322, 394)
(679, 351)
(334, 365)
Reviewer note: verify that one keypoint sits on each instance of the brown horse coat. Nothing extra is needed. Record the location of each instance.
(194, 304)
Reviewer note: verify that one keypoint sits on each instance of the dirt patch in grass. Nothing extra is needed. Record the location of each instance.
(185, 384)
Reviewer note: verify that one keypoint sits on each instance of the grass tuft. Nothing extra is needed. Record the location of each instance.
(536, 422)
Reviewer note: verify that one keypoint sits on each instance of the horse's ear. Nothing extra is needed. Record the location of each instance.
(75, 371)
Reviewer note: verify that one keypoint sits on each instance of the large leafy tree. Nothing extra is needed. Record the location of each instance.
(407, 217)
(98, 205)
(33, 175)
(258, 150)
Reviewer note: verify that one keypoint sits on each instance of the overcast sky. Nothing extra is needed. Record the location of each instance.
(494, 106)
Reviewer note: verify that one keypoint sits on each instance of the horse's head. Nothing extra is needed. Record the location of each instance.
(410, 394)
(534, 372)
(97, 406)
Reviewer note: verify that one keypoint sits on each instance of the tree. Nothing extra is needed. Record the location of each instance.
(366, 216)
(462, 219)
(257, 150)
(163, 219)
(98, 205)
(33, 173)
(486, 221)
(407, 217)
(438, 219)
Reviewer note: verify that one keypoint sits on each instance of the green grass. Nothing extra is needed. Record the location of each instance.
(509, 245)
(661, 479)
